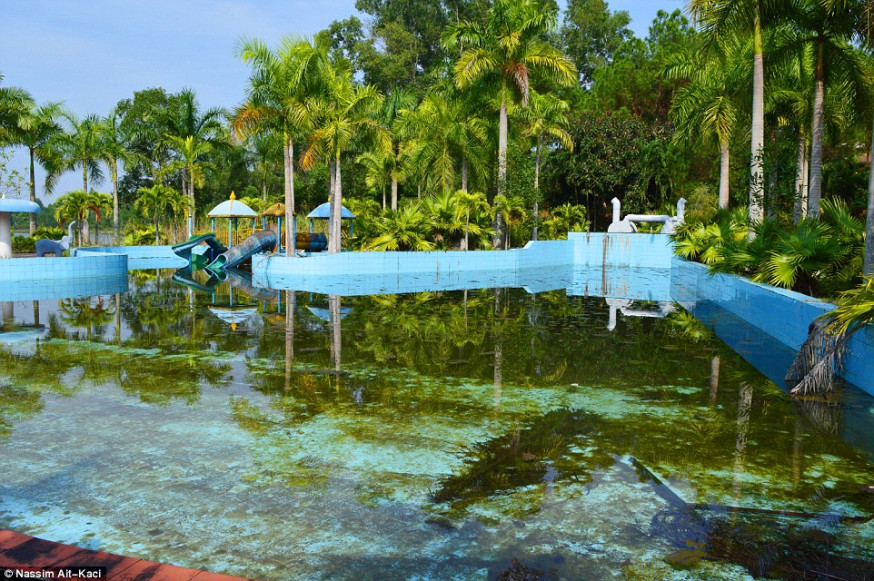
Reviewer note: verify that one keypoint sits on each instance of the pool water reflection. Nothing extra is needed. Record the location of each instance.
(279, 435)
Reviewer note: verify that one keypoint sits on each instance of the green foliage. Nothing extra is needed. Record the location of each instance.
(855, 309)
(816, 257)
(23, 244)
(592, 34)
(614, 155)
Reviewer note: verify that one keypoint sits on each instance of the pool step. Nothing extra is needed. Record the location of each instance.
(24, 551)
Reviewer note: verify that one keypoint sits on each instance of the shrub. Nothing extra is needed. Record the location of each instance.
(23, 244)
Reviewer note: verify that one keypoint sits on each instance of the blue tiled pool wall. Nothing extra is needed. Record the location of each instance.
(139, 257)
(48, 278)
(782, 314)
(634, 266)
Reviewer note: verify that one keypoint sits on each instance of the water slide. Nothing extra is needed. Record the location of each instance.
(262, 241)
(214, 249)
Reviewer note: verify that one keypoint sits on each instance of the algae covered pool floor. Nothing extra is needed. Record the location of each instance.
(424, 436)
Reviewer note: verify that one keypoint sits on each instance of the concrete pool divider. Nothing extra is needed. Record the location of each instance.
(51, 278)
(636, 266)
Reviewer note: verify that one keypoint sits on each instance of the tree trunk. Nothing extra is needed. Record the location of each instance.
(816, 138)
(156, 228)
(534, 216)
(290, 241)
(756, 213)
(724, 168)
(84, 177)
(868, 269)
(394, 194)
(464, 174)
(115, 220)
(502, 173)
(467, 232)
(32, 191)
(383, 198)
(800, 211)
(192, 218)
(335, 242)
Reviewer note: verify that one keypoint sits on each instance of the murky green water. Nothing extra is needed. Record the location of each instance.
(434, 436)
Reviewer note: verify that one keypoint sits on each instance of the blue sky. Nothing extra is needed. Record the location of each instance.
(92, 53)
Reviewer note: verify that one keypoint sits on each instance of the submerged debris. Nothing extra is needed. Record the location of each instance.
(519, 572)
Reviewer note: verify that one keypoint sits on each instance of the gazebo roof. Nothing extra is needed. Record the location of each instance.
(276, 210)
(16, 205)
(232, 209)
(323, 212)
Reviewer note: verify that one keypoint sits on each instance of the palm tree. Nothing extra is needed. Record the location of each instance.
(707, 106)
(192, 160)
(406, 229)
(379, 173)
(101, 205)
(470, 203)
(78, 146)
(499, 55)
(115, 147)
(726, 18)
(193, 135)
(34, 127)
(177, 204)
(152, 202)
(397, 101)
(514, 212)
(442, 133)
(828, 26)
(14, 102)
(74, 206)
(277, 86)
(340, 116)
(546, 116)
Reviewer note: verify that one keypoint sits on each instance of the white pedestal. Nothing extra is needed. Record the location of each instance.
(5, 235)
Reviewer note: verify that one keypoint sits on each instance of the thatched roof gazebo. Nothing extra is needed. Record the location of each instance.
(278, 211)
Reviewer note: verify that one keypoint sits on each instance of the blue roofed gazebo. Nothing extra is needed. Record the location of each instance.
(323, 212)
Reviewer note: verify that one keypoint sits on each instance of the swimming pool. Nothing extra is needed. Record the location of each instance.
(280, 434)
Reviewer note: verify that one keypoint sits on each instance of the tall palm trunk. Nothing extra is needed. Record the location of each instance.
(288, 163)
(383, 198)
(816, 137)
(156, 228)
(756, 213)
(464, 174)
(534, 216)
(335, 243)
(113, 168)
(801, 179)
(192, 218)
(724, 169)
(32, 190)
(502, 173)
(868, 269)
(467, 231)
(394, 194)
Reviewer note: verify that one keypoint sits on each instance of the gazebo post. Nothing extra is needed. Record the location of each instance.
(212, 224)
(263, 222)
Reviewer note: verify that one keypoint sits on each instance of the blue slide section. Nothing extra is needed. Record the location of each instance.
(263, 241)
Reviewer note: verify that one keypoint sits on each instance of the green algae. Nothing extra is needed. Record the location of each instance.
(487, 429)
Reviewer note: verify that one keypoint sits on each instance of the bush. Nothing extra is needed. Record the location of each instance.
(46, 232)
(139, 237)
(23, 244)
